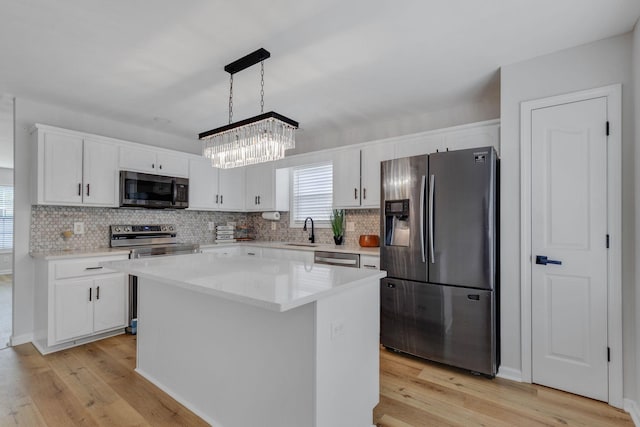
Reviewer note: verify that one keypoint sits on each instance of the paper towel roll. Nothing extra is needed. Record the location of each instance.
(273, 216)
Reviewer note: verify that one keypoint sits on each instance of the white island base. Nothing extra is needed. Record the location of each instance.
(240, 365)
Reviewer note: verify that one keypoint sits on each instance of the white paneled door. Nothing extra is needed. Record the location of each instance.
(569, 227)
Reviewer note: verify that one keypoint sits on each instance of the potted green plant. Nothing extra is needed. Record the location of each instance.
(337, 225)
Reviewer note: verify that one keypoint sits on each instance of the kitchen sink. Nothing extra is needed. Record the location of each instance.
(307, 245)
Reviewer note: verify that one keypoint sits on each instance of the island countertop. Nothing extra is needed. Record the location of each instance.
(273, 284)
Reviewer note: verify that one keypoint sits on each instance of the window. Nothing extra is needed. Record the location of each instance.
(312, 194)
(6, 217)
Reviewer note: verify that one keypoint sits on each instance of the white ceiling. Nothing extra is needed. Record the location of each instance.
(159, 63)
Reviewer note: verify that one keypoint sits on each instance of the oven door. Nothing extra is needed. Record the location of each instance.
(153, 191)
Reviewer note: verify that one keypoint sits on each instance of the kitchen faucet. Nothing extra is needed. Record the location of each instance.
(312, 237)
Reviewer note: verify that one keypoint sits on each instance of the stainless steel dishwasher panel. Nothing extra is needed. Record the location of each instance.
(337, 258)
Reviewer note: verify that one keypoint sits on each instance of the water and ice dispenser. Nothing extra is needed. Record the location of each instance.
(397, 228)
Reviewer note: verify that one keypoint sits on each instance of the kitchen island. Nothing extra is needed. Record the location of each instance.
(245, 341)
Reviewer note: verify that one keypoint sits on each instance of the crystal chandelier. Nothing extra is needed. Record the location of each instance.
(258, 139)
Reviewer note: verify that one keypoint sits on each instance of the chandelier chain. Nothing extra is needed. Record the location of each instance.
(261, 86)
(231, 100)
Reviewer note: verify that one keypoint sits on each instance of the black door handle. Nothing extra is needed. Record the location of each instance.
(543, 260)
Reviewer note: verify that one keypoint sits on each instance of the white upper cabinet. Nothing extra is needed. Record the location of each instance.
(203, 185)
(370, 160)
(267, 189)
(356, 176)
(215, 189)
(75, 170)
(231, 189)
(138, 159)
(100, 173)
(346, 178)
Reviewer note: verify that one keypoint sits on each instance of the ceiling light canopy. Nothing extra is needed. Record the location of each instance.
(258, 139)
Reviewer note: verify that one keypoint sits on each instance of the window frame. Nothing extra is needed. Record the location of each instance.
(316, 223)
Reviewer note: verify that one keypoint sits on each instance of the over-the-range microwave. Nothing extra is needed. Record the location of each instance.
(153, 191)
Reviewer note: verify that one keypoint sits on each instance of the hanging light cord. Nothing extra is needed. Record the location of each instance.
(231, 100)
(261, 86)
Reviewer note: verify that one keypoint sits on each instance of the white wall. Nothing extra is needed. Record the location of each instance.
(6, 175)
(27, 113)
(593, 65)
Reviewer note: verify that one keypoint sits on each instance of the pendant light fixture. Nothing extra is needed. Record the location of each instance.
(258, 139)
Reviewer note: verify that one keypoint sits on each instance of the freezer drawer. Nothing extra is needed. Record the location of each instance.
(446, 324)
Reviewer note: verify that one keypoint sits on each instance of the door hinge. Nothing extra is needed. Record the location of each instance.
(607, 241)
(608, 128)
(608, 354)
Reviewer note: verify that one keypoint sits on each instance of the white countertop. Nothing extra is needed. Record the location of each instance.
(300, 246)
(278, 285)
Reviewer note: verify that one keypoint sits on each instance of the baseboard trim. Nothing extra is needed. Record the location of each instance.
(632, 408)
(177, 397)
(509, 374)
(20, 339)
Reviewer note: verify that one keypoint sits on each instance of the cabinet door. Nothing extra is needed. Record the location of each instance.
(346, 178)
(232, 189)
(110, 303)
(370, 172)
(480, 136)
(419, 145)
(168, 164)
(61, 177)
(138, 159)
(100, 167)
(203, 185)
(73, 309)
(260, 187)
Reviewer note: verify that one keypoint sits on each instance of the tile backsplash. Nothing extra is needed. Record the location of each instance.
(48, 223)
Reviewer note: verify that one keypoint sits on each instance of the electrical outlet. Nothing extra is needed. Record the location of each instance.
(337, 329)
(274, 226)
(351, 226)
(78, 228)
(211, 226)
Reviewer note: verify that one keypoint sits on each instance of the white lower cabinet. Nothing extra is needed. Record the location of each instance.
(290, 254)
(223, 251)
(370, 261)
(78, 301)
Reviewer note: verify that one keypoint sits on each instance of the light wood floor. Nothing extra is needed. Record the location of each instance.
(95, 385)
(416, 393)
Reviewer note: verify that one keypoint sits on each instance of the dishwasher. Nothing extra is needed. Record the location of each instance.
(337, 258)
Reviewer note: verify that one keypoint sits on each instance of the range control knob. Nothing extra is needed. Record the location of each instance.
(171, 228)
(127, 229)
(116, 229)
(163, 228)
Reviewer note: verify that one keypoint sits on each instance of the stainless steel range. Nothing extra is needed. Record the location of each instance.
(147, 241)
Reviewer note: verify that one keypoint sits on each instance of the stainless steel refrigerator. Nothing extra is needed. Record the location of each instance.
(439, 248)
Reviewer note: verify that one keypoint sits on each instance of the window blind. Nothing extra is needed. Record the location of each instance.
(6, 217)
(312, 193)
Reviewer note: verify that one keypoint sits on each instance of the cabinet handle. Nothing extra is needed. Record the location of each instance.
(258, 199)
(90, 289)
(88, 190)
(364, 193)
(255, 200)
(355, 193)
(370, 266)
(251, 253)
(217, 197)
(79, 189)
(160, 166)
(98, 293)
(153, 165)
(93, 268)
(222, 199)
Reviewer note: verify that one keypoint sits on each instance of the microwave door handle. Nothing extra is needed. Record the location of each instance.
(432, 188)
(174, 191)
(422, 190)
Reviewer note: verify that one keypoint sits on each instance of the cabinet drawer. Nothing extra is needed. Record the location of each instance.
(370, 262)
(83, 267)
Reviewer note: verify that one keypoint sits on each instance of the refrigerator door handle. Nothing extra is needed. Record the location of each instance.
(422, 190)
(432, 187)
